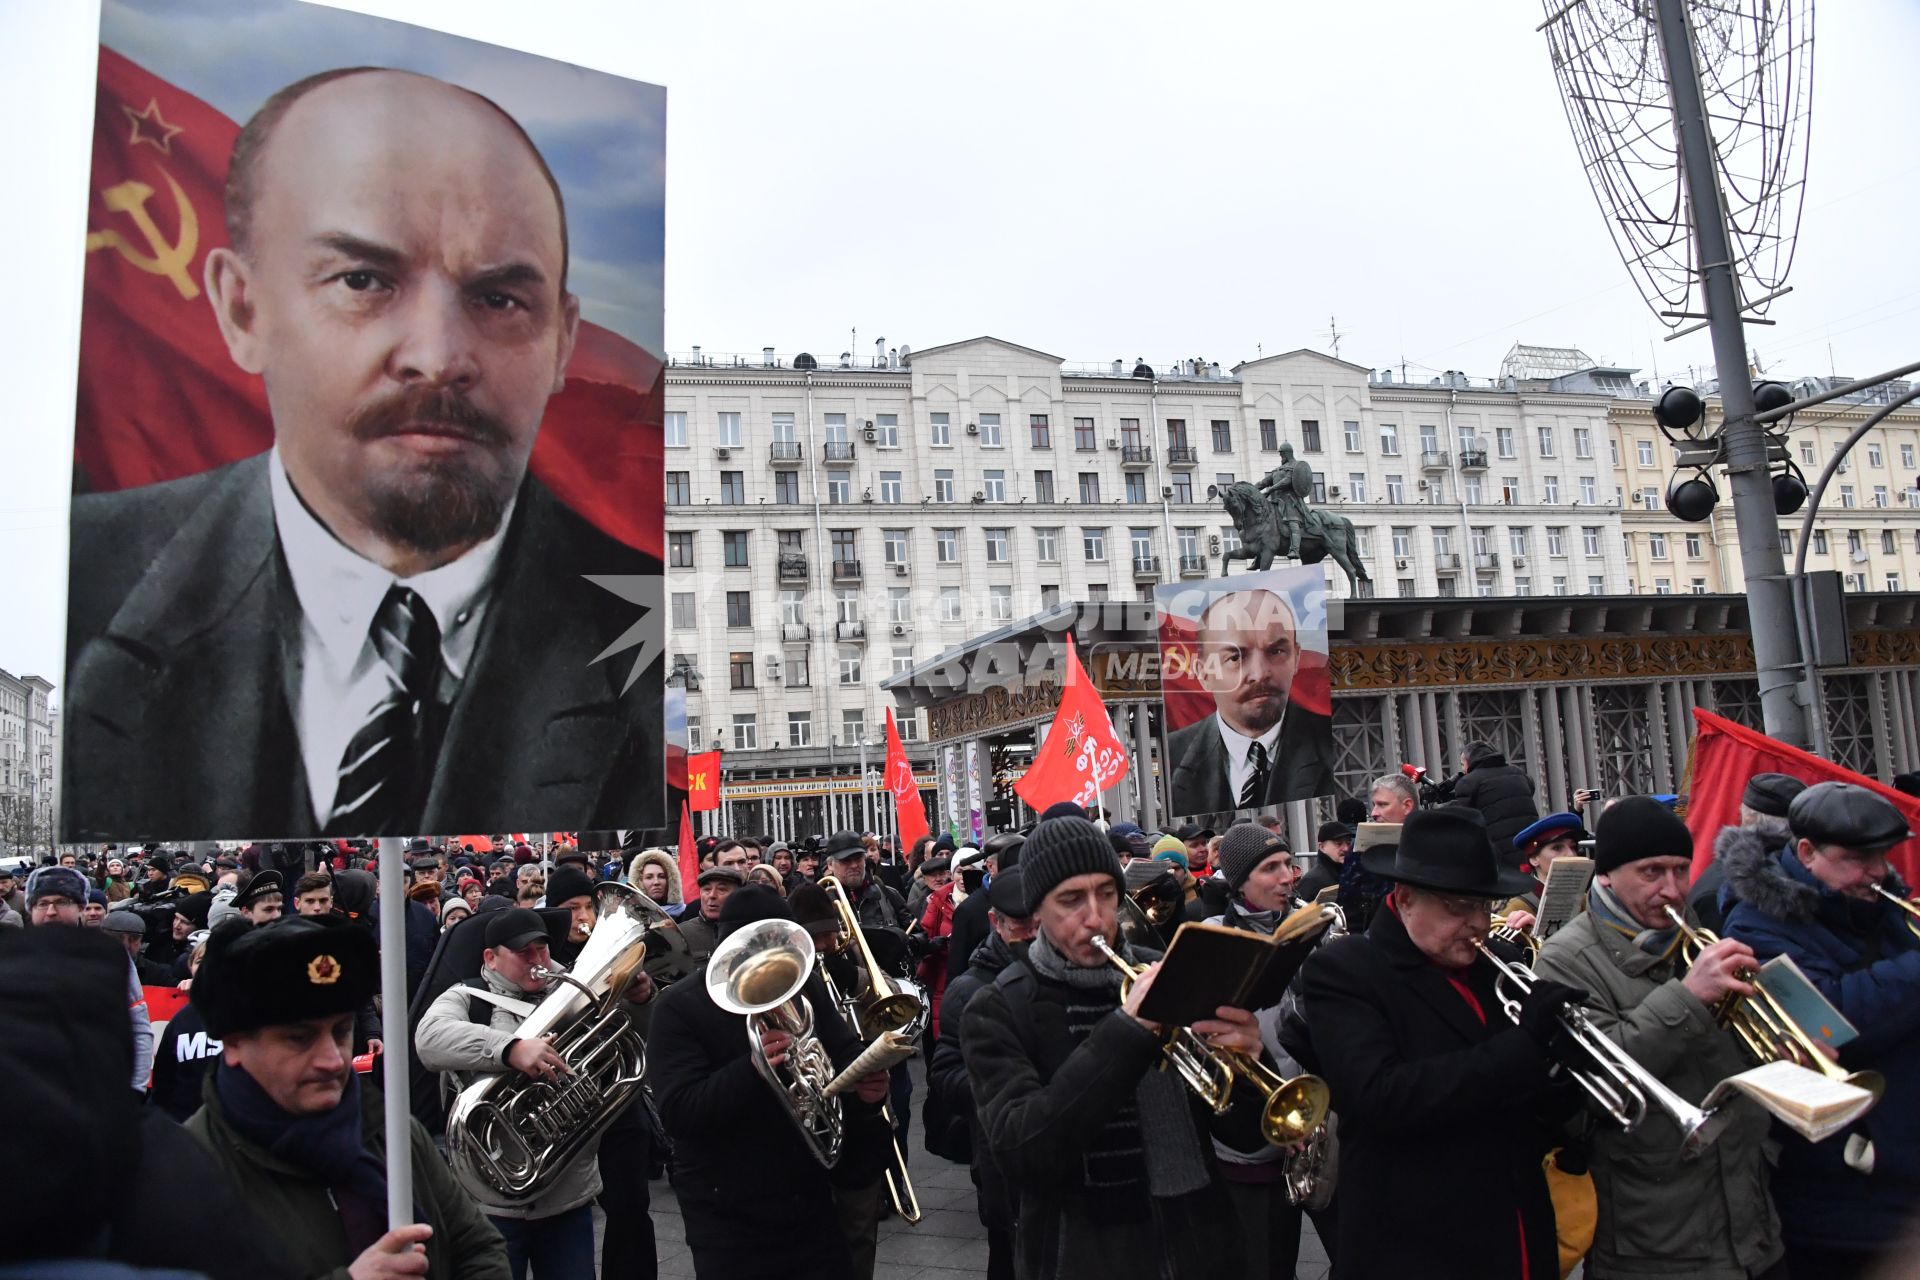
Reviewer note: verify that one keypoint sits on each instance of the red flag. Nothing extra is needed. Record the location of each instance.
(159, 398)
(910, 810)
(689, 856)
(1081, 757)
(1726, 755)
(703, 781)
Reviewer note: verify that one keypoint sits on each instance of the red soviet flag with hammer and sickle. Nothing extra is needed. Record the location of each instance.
(909, 810)
(159, 397)
(703, 781)
(1082, 756)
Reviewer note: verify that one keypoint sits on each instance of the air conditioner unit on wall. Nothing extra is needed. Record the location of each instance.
(900, 628)
(973, 428)
(1400, 562)
(870, 434)
(723, 454)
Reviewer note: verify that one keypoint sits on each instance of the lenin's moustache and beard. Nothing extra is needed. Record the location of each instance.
(453, 500)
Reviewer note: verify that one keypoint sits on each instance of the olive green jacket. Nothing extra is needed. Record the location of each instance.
(1709, 1218)
(299, 1211)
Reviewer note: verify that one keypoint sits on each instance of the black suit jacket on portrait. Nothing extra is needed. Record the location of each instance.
(1302, 766)
(180, 621)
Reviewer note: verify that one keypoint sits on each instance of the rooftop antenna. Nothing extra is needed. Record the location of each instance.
(1333, 332)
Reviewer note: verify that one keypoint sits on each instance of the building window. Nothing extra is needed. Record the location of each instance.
(733, 543)
(1596, 585)
(1000, 604)
(1442, 540)
(1142, 542)
(845, 545)
(994, 485)
(1039, 431)
(1396, 490)
(1559, 584)
(680, 551)
(1550, 490)
(1846, 495)
(740, 670)
(683, 611)
(1657, 546)
(1043, 486)
(1090, 486)
(733, 488)
(849, 665)
(1188, 542)
(1879, 495)
(1643, 450)
(1356, 487)
(940, 430)
(1229, 538)
(1083, 435)
(729, 431)
(890, 487)
(1819, 542)
(799, 728)
(1886, 542)
(1517, 543)
(1589, 539)
(746, 733)
(1269, 436)
(1699, 586)
(1874, 456)
(1893, 582)
(1309, 435)
(853, 726)
(679, 488)
(943, 484)
(1480, 540)
(946, 546)
(1503, 442)
(886, 430)
(1695, 548)
(1136, 485)
(1046, 545)
(839, 488)
(1853, 542)
(739, 608)
(899, 605)
(893, 546)
(1546, 441)
(1582, 442)
(786, 488)
(676, 429)
(1402, 541)
(1182, 484)
(1351, 432)
(793, 607)
(990, 430)
(996, 546)
(1093, 544)
(1429, 438)
(902, 660)
(1176, 433)
(783, 432)
(1222, 436)
(1390, 439)
(908, 726)
(1589, 494)
(950, 605)
(1557, 541)
(1661, 586)
(1473, 494)
(1509, 489)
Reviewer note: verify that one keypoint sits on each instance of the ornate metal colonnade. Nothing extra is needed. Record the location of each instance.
(1581, 691)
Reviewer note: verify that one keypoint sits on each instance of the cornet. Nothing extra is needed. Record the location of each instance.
(1621, 1087)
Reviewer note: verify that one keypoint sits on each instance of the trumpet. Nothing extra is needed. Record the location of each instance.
(1522, 938)
(1620, 1086)
(1207, 1071)
(1763, 1024)
(1913, 912)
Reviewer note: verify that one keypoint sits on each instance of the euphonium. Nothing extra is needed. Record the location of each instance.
(759, 971)
(1763, 1025)
(1207, 1072)
(508, 1136)
(1621, 1087)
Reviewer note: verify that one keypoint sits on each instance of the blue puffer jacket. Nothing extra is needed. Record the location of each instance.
(1864, 958)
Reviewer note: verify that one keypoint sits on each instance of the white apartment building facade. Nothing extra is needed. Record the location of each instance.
(27, 760)
(831, 522)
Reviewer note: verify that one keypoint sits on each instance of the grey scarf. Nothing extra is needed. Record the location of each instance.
(1175, 1159)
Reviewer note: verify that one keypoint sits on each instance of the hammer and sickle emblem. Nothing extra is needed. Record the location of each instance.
(162, 259)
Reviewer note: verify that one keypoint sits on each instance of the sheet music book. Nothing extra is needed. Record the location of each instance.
(1784, 980)
(1564, 896)
(1209, 965)
(1807, 1102)
(888, 1049)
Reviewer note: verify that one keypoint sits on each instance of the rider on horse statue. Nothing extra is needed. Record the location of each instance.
(1287, 487)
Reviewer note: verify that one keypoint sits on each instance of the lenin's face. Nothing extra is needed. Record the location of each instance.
(401, 295)
(1249, 654)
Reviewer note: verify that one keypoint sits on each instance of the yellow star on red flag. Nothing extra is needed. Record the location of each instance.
(156, 131)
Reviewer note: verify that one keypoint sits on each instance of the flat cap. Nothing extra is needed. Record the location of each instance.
(1007, 894)
(124, 922)
(842, 845)
(515, 929)
(732, 875)
(1848, 815)
(1771, 793)
(934, 866)
(1333, 831)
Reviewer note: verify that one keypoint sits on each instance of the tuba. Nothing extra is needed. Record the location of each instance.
(509, 1137)
(759, 971)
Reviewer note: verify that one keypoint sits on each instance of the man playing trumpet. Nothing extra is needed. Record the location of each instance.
(1659, 1214)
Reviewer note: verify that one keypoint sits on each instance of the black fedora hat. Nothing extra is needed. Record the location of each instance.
(1446, 850)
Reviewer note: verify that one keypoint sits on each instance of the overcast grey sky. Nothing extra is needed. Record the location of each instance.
(1098, 181)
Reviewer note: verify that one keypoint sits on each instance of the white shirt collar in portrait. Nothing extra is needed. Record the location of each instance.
(341, 678)
(1238, 744)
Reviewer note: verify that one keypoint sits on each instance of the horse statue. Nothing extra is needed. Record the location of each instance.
(1262, 539)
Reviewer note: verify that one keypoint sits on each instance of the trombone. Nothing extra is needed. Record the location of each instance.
(1913, 912)
(1621, 1087)
(1763, 1024)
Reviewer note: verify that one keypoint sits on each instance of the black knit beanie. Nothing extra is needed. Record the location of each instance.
(1061, 848)
(1245, 846)
(1635, 828)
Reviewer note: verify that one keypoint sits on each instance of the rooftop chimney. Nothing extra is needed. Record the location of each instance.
(766, 356)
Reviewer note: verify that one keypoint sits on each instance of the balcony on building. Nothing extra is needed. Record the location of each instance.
(795, 632)
(1136, 455)
(1486, 561)
(1433, 459)
(1182, 455)
(1444, 561)
(793, 567)
(1193, 566)
(849, 629)
(785, 453)
(838, 450)
(846, 571)
(1146, 568)
(1473, 457)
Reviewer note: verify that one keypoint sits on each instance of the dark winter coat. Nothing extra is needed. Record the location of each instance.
(1504, 797)
(951, 1122)
(1864, 958)
(181, 1063)
(1441, 1114)
(1042, 1102)
(970, 928)
(465, 1246)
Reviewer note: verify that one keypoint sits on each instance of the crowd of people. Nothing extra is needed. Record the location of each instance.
(1456, 1143)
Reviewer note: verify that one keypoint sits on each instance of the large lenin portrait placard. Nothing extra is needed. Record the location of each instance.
(367, 527)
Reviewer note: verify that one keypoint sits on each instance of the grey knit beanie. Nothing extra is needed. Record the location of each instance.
(1061, 848)
(1244, 847)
